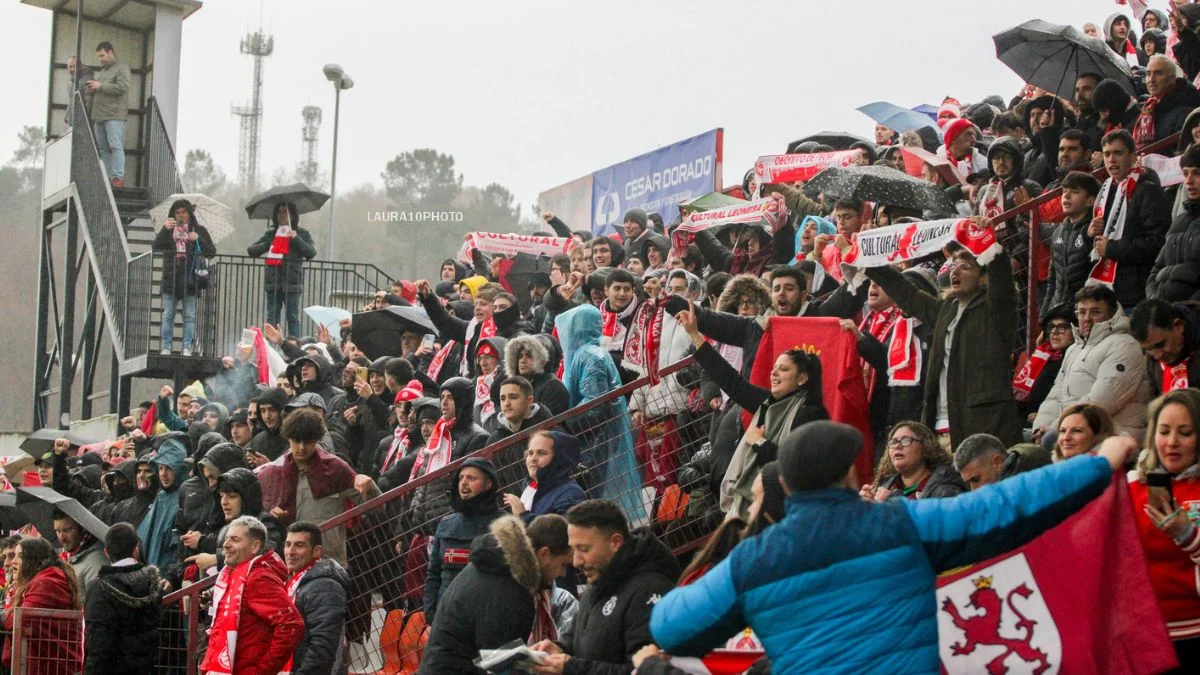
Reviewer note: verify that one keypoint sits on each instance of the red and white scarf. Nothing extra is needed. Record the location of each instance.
(280, 245)
(886, 246)
(483, 396)
(437, 450)
(1143, 128)
(612, 325)
(543, 618)
(1023, 382)
(904, 354)
(771, 211)
(485, 330)
(991, 202)
(1104, 272)
(877, 325)
(799, 166)
(401, 442)
(512, 244)
(1174, 377)
(222, 636)
(439, 359)
(645, 338)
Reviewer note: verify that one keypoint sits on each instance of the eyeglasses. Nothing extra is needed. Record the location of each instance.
(1060, 328)
(961, 264)
(1093, 313)
(902, 442)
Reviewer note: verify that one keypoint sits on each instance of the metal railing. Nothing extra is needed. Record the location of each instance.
(47, 641)
(162, 168)
(102, 230)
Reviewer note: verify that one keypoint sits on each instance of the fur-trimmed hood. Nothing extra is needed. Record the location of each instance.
(740, 285)
(525, 344)
(506, 549)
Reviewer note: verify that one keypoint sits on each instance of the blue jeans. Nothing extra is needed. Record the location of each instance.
(110, 139)
(168, 321)
(275, 301)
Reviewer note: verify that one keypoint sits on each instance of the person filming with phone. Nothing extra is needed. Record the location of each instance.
(185, 247)
(1165, 490)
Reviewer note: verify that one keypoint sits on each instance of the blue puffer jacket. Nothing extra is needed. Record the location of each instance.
(838, 569)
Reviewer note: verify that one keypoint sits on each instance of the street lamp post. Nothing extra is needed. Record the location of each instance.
(340, 80)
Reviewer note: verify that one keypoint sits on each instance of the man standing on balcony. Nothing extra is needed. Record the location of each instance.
(181, 242)
(286, 245)
(110, 91)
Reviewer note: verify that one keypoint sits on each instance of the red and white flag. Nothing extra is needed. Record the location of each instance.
(1138, 7)
(1075, 600)
(799, 167)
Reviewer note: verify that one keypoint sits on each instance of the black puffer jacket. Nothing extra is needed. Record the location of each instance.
(455, 532)
(1070, 263)
(219, 460)
(1176, 273)
(121, 617)
(268, 442)
(321, 600)
(614, 614)
(548, 390)
(1146, 227)
(490, 604)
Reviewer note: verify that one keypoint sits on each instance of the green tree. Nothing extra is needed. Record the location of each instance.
(493, 210)
(201, 174)
(422, 179)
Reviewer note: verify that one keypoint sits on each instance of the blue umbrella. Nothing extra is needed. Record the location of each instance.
(895, 117)
(929, 110)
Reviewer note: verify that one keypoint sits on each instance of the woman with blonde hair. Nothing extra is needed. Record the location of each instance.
(1082, 428)
(1167, 517)
(914, 466)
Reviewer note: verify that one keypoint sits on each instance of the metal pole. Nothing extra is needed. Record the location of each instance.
(337, 104)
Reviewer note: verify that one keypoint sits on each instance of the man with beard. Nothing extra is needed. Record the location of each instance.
(80, 549)
(968, 382)
(1170, 336)
(318, 585)
(474, 505)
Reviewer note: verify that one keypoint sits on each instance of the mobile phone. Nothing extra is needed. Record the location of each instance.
(361, 374)
(427, 341)
(1158, 483)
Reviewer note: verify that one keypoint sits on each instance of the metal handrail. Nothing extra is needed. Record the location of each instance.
(162, 166)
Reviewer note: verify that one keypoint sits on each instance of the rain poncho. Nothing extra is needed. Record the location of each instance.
(155, 528)
(604, 431)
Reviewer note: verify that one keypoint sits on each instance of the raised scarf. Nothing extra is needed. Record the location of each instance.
(222, 636)
(991, 202)
(483, 395)
(877, 325)
(481, 332)
(613, 330)
(437, 450)
(1023, 382)
(281, 245)
(1104, 272)
(1174, 377)
(645, 338)
(904, 354)
(1143, 128)
(439, 359)
(327, 475)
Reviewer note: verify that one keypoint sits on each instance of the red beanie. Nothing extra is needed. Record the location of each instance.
(411, 392)
(954, 128)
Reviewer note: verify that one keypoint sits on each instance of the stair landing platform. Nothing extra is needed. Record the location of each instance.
(171, 367)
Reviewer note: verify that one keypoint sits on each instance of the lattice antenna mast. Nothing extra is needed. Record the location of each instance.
(309, 134)
(258, 45)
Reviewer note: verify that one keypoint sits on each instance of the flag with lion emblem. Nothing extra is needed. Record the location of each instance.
(1075, 600)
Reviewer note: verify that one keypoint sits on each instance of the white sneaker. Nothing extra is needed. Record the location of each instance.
(165, 352)
(187, 352)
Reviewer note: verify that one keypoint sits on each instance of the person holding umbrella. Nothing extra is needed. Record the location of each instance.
(286, 246)
(183, 243)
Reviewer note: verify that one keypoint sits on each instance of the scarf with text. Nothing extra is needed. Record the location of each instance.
(886, 246)
(645, 338)
(1104, 272)
(770, 210)
(512, 244)
(799, 166)
(1023, 382)
(991, 202)
(222, 636)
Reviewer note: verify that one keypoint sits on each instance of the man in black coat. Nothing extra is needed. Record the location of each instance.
(489, 604)
(121, 613)
(283, 282)
(1070, 243)
(1171, 99)
(268, 445)
(1176, 273)
(627, 574)
(474, 504)
(518, 410)
(1170, 336)
(318, 586)
(182, 243)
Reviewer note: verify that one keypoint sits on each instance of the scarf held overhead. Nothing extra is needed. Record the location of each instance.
(903, 242)
(801, 166)
(770, 210)
(512, 244)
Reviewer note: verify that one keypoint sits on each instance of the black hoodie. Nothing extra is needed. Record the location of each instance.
(465, 436)
(268, 442)
(321, 386)
(1017, 178)
(469, 519)
(614, 614)
(122, 614)
(245, 484)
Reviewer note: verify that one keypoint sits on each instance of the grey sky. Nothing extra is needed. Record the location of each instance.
(534, 94)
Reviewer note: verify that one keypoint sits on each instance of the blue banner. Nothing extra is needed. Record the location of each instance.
(656, 181)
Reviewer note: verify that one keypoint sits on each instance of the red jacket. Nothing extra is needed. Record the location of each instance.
(1173, 574)
(53, 642)
(269, 627)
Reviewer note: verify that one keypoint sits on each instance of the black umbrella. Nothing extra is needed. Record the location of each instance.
(306, 200)
(42, 441)
(11, 517)
(377, 333)
(520, 275)
(1052, 56)
(838, 140)
(880, 184)
(39, 504)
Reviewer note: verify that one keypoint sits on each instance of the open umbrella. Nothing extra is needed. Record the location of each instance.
(377, 333)
(838, 140)
(42, 441)
(15, 463)
(212, 214)
(39, 504)
(262, 205)
(11, 516)
(895, 117)
(329, 318)
(517, 277)
(1052, 56)
(880, 184)
(708, 202)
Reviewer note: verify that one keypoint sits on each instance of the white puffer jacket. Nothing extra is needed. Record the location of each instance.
(1107, 369)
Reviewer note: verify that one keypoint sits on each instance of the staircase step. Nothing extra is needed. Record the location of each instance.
(128, 192)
